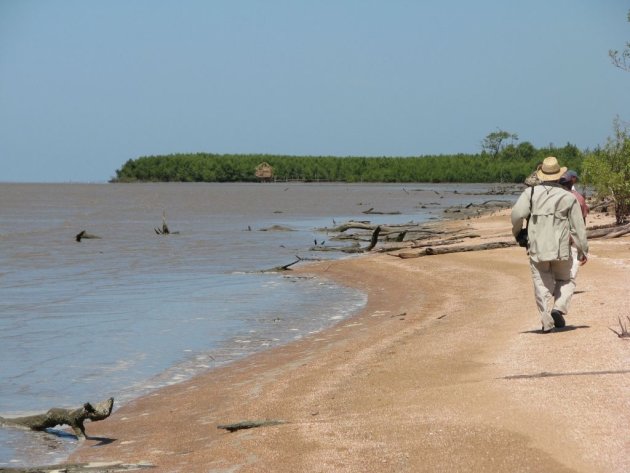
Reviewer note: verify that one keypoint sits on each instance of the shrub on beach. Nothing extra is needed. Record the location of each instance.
(608, 171)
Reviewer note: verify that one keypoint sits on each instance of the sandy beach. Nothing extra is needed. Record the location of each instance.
(441, 372)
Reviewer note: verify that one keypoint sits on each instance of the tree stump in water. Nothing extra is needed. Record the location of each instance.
(59, 416)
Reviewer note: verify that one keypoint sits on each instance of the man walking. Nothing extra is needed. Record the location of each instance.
(553, 216)
(568, 181)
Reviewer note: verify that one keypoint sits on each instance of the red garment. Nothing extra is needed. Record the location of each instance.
(580, 198)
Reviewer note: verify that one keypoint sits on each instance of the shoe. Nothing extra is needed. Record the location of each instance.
(558, 320)
(549, 330)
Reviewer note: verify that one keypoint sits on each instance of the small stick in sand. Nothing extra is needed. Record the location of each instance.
(249, 424)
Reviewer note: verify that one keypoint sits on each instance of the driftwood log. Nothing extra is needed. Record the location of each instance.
(392, 237)
(601, 205)
(96, 467)
(611, 231)
(408, 236)
(356, 248)
(428, 251)
(286, 267)
(623, 332)
(84, 235)
(164, 230)
(75, 418)
(546, 374)
(277, 228)
(371, 211)
(348, 226)
(250, 424)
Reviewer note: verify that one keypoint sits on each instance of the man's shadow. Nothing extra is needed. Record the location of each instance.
(567, 328)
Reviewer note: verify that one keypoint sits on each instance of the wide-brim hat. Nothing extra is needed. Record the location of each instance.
(550, 170)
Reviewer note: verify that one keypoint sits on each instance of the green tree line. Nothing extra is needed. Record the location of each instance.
(513, 163)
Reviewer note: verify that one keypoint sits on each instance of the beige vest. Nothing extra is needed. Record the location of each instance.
(555, 215)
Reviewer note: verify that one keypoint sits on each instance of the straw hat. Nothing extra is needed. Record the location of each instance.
(550, 170)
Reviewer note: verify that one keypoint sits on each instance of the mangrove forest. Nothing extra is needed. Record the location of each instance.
(510, 164)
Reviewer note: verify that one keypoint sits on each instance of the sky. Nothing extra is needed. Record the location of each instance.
(86, 85)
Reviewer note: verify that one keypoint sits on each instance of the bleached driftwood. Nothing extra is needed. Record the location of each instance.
(455, 249)
(357, 248)
(608, 231)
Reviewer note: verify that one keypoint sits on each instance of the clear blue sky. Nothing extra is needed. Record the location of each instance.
(87, 85)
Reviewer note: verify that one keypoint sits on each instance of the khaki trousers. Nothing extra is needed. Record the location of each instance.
(576, 264)
(553, 282)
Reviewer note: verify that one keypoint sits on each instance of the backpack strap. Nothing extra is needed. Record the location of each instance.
(531, 201)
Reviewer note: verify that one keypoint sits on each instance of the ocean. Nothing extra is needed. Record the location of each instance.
(132, 311)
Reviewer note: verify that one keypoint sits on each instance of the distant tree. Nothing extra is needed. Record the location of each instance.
(608, 171)
(621, 59)
(525, 150)
(495, 141)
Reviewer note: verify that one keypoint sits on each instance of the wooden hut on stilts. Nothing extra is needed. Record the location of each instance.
(264, 172)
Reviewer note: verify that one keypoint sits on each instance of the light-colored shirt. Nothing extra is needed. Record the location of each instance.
(555, 216)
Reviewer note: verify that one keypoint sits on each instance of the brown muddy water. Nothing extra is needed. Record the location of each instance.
(133, 311)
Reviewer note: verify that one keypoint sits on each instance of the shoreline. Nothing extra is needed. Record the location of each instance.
(128, 300)
(436, 373)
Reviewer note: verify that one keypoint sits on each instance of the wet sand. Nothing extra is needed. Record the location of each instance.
(439, 373)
